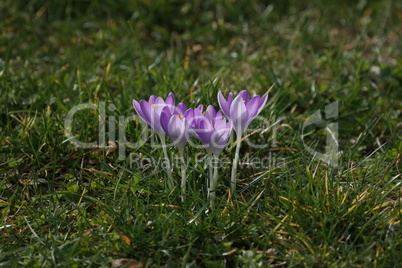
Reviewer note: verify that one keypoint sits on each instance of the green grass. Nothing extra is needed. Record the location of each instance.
(73, 207)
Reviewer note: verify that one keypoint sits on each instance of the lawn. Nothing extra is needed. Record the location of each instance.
(81, 177)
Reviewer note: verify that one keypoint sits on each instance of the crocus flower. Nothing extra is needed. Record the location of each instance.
(176, 125)
(211, 129)
(150, 111)
(214, 132)
(241, 110)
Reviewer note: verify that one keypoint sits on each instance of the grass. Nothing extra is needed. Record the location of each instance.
(71, 207)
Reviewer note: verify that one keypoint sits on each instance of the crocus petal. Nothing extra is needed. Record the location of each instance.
(230, 98)
(156, 110)
(218, 115)
(204, 131)
(159, 102)
(216, 145)
(174, 126)
(138, 109)
(253, 105)
(177, 131)
(198, 115)
(239, 115)
(146, 111)
(181, 108)
(189, 114)
(170, 99)
(220, 137)
(220, 140)
(245, 95)
(152, 99)
(157, 107)
(220, 123)
(169, 110)
(210, 113)
(225, 106)
(263, 101)
(165, 117)
(200, 107)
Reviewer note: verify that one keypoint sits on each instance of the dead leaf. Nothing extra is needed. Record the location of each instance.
(126, 263)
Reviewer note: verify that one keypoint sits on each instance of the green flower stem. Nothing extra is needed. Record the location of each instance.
(234, 167)
(183, 176)
(213, 182)
(210, 166)
(169, 182)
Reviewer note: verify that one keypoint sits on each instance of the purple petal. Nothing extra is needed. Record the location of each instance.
(169, 110)
(146, 111)
(189, 114)
(192, 116)
(245, 95)
(192, 130)
(220, 138)
(152, 99)
(138, 109)
(204, 131)
(263, 101)
(210, 113)
(217, 145)
(159, 102)
(198, 116)
(218, 115)
(230, 98)
(225, 106)
(174, 125)
(181, 108)
(219, 124)
(253, 105)
(156, 110)
(239, 115)
(200, 107)
(156, 125)
(255, 108)
(165, 117)
(178, 131)
(170, 99)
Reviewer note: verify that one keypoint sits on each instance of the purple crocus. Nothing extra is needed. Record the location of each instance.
(241, 110)
(150, 111)
(211, 129)
(214, 132)
(176, 125)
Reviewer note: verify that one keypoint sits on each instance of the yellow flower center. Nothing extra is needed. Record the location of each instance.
(152, 105)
